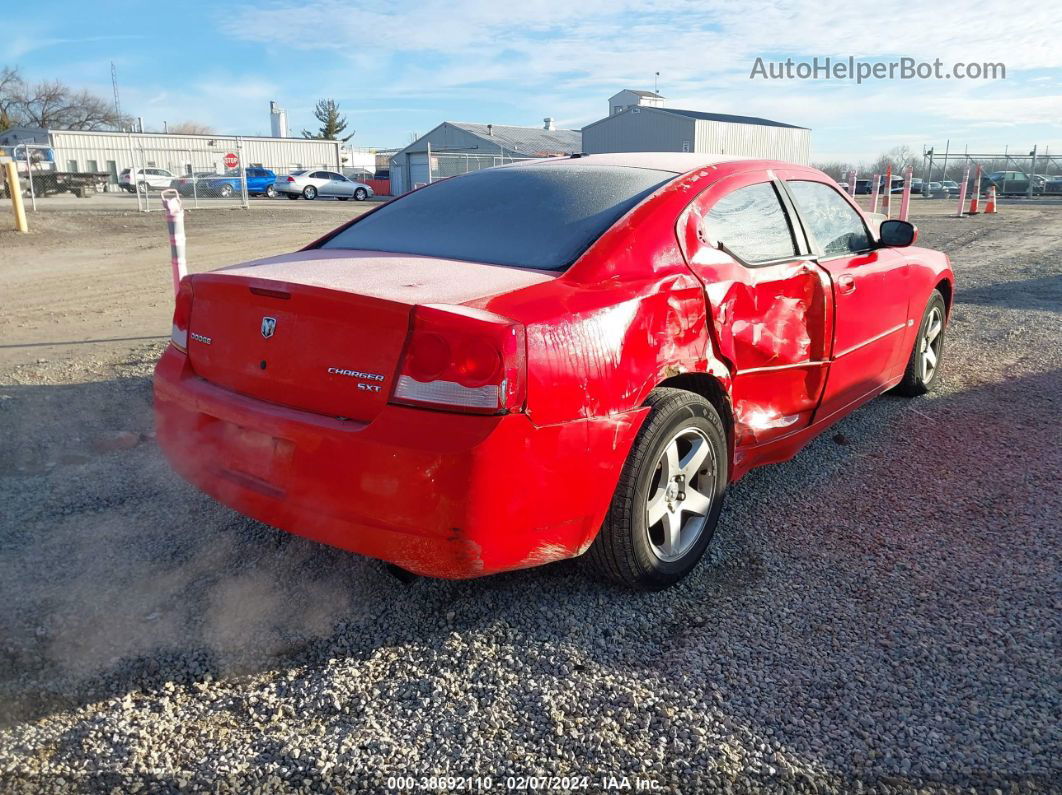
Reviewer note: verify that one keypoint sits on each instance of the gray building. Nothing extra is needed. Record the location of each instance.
(647, 126)
(459, 147)
(631, 97)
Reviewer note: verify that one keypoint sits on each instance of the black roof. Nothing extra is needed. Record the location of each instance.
(699, 114)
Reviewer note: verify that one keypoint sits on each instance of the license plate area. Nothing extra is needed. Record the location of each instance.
(250, 452)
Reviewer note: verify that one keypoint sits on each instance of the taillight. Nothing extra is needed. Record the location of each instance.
(464, 360)
(291, 179)
(182, 314)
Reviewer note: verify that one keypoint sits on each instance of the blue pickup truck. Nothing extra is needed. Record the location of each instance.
(259, 183)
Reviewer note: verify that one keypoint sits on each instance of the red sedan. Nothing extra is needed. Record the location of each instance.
(547, 359)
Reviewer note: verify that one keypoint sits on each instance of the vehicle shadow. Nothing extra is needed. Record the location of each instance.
(838, 583)
(1042, 294)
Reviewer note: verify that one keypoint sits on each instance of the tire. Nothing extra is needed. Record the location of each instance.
(225, 191)
(632, 550)
(271, 192)
(921, 374)
(309, 193)
(361, 194)
(292, 196)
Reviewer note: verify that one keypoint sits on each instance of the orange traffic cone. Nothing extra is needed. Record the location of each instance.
(973, 202)
(990, 205)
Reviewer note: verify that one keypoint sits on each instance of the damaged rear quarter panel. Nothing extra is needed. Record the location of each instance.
(626, 316)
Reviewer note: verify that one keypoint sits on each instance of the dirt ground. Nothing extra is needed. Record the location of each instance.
(880, 614)
(90, 281)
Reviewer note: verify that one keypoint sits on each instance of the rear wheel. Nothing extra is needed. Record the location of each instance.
(669, 495)
(270, 192)
(310, 192)
(361, 194)
(928, 352)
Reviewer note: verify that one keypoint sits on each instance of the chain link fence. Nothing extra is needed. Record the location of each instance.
(208, 171)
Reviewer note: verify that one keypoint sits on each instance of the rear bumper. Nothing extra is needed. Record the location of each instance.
(446, 495)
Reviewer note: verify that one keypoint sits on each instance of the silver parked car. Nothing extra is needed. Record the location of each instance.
(313, 183)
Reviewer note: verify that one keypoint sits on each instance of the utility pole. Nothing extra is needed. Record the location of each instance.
(1032, 176)
(117, 103)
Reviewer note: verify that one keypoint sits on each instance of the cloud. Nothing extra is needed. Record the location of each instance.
(23, 44)
(551, 55)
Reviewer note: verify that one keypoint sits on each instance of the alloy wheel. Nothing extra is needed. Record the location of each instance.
(932, 341)
(680, 494)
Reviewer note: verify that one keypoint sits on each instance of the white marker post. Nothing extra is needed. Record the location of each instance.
(888, 192)
(852, 183)
(905, 199)
(874, 199)
(962, 190)
(171, 203)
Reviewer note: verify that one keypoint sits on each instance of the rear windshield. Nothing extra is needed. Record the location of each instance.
(541, 216)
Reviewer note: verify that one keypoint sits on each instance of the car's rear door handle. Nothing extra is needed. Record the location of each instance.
(846, 283)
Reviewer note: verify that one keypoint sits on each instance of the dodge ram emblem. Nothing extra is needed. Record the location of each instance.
(269, 325)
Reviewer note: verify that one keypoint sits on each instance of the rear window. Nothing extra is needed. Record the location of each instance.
(541, 216)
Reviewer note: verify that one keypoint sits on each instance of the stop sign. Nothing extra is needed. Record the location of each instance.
(231, 160)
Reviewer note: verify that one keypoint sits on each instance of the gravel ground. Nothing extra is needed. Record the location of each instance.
(879, 614)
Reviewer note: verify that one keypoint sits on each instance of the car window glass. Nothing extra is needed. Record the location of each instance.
(834, 223)
(750, 222)
(317, 175)
(526, 216)
(339, 178)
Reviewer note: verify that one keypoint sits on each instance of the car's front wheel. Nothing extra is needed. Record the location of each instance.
(225, 191)
(361, 194)
(669, 495)
(310, 192)
(928, 353)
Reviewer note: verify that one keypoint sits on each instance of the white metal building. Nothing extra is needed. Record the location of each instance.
(83, 150)
(638, 122)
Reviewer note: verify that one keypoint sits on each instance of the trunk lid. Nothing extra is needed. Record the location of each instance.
(323, 330)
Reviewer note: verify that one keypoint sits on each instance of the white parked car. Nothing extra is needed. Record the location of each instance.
(146, 179)
(311, 183)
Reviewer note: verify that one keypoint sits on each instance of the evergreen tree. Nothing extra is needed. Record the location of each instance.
(332, 124)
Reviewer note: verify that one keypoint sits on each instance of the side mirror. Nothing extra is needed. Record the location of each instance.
(897, 234)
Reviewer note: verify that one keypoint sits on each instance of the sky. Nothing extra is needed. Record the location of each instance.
(400, 68)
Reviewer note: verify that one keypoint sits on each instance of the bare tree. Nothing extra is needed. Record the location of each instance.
(10, 81)
(898, 157)
(190, 128)
(52, 104)
(837, 169)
